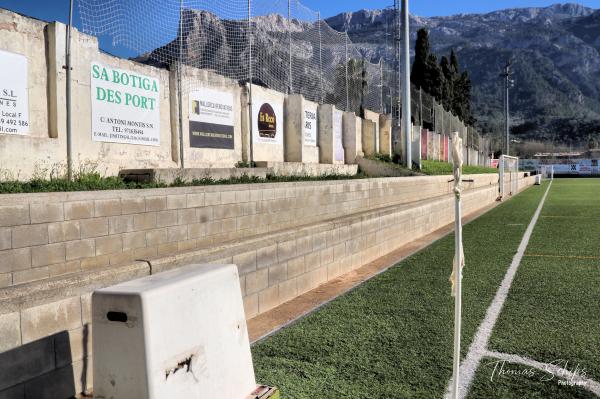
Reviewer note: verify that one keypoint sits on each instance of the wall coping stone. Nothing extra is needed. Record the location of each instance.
(19, 199)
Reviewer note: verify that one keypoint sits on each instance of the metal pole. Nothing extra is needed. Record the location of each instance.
(320, 57)
(398, 29)
(179, 88)
(251, 146)
(290, 43)
(507, 121)
(406, 80)
(68, 95)
(347, 88)
(506, 75)
(381, 107)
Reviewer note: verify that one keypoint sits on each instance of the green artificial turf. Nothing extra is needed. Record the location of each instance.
(445, 168)
(552, 311)
(496, 379)
(392, 337)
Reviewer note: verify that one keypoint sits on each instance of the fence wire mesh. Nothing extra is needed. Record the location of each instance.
(279, 44)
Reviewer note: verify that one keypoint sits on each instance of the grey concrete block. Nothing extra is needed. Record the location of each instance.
(14, 215)
(15, 259)
(29, 235)
(46, 212)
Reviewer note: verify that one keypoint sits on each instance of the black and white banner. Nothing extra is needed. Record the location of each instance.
(211, 119)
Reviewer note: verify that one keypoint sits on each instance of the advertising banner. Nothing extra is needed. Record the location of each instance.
(14, 101)
(310, 125)
(337, 134)
(125, 106)
(211, 119)
(267, 121)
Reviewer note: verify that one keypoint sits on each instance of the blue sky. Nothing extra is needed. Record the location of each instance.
(58, 9)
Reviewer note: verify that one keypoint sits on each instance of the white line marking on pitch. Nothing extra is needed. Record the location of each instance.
(552, 370)
(478, 347)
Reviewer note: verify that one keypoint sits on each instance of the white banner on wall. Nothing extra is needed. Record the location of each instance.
(267, 121)
(337, 134)
(14, 101)
(310, 125)
(211, 119)
(125, 106)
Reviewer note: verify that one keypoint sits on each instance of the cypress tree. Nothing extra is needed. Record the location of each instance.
(420, 63)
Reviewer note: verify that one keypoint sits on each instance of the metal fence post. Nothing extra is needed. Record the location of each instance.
(179, 88)
(290, 43)
(347, 87)
(251, 144)
(406, 102)
(381, 108)
(68, 95)
(320, 57)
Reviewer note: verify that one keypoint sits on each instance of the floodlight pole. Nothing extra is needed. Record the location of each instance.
(406, 84)
(506, 75)
(68, 95)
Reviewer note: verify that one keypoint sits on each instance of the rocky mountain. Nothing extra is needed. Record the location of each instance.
(556, 54)
(555, 49)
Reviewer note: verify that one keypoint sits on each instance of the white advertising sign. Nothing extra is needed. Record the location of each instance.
(211, 119)
(125, 106)
(337, 134)
(14, 101)
(267, 121)
(310, 125)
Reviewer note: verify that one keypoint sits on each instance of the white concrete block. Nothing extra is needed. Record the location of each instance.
(177, 334)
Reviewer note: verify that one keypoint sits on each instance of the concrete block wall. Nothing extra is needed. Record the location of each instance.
(369, 142)
(352, 140)
(45, 327)
(385, 134)
(296, 147)
(328, 142)
(374, 117)
(45, 235)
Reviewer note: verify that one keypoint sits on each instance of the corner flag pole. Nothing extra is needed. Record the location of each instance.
(459, 258)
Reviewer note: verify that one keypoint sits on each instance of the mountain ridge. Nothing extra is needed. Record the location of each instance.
(556, 50)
